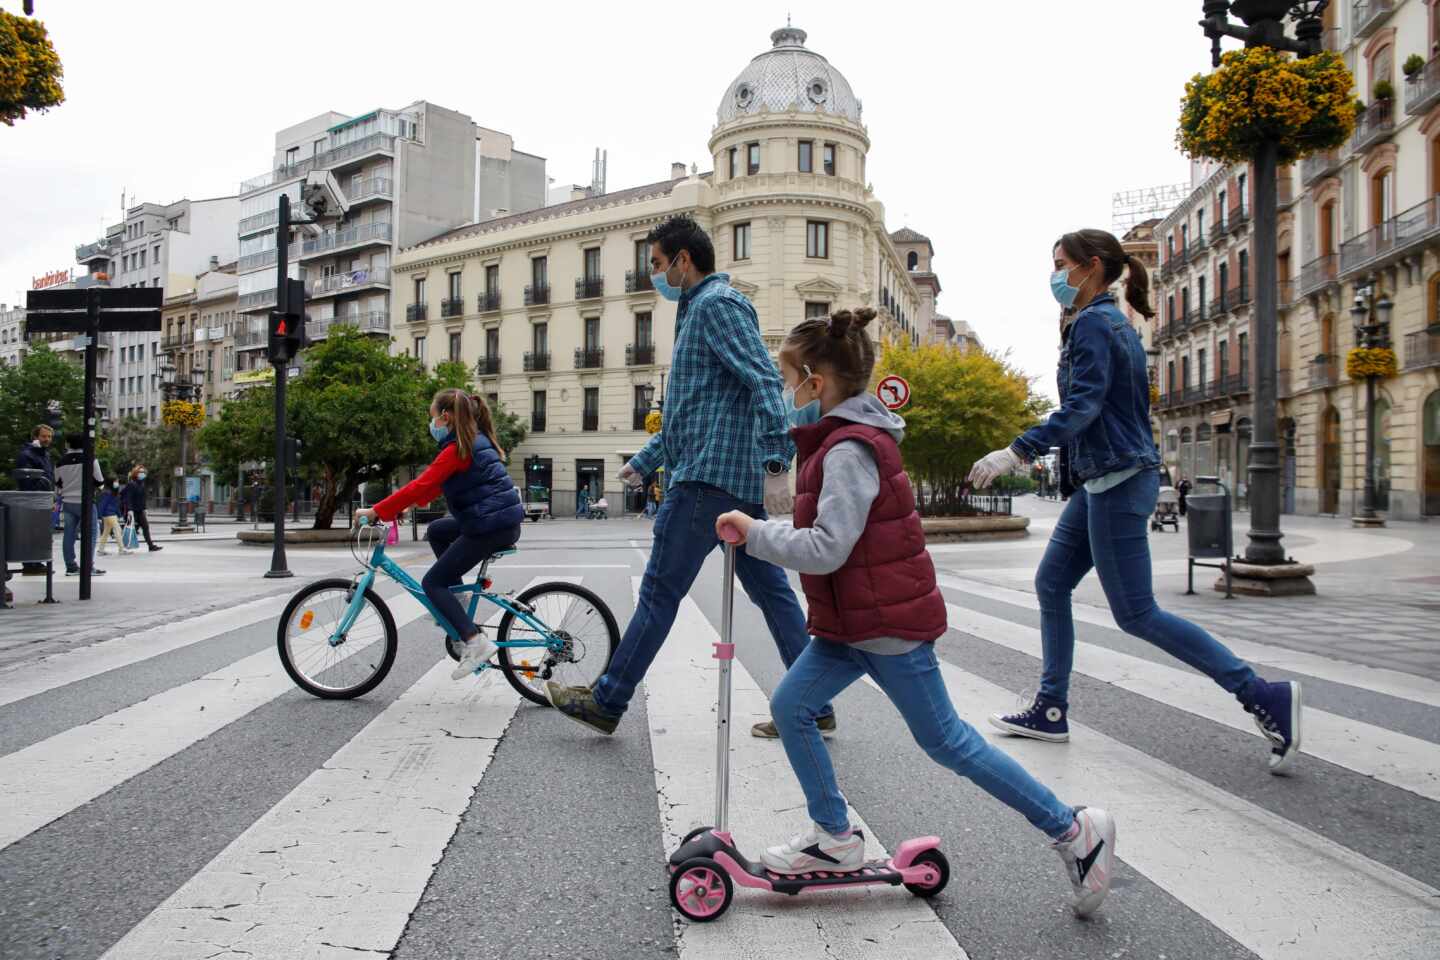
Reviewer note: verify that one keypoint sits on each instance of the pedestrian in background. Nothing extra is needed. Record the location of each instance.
(1183, 487)
(135, 504)
(35, 455)
(109, 510)
(71, 477)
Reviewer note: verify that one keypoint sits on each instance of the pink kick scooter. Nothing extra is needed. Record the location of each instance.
(704, 870)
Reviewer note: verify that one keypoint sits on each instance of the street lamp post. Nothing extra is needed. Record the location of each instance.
(1264, 26)
(1372, 330)
(175, 387)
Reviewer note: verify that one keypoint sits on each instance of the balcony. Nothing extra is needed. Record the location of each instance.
(259, 222)
(255, 301)
(1319, 165)
(1167, 269)
(376, 188)
(537, 294)
(487, 367)
(172, 342)
(537, 362)
(638, 281)
(1238, 220)
(489, 301)
(1319, 273)
(416, 312)
(453, 307)
(590, 421)
(1367, 15)
(589, 288)
(589, 359)
(1324, 372)
(1374, 124)
(1218, 308)
(1237, 297)
(1237, 384)
(97, 279)
(359, 236)
(343, 155)
(351, 280)
(256, 261)
(1218, 230)
(1422, 91)
(374, 321)
(1422, 348)
(1197, 249)
(249, 339)
(1394, 238)
(537, 421)
(641, 356)
(637, 418)
(92, 251)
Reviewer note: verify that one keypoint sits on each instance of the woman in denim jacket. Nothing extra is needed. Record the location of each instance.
(1109, 470)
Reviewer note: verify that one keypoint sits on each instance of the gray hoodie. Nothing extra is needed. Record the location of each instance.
(852, 482)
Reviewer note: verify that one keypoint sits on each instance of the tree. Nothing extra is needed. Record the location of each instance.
(510, 429)
(962, 406)
(30, 70)
(122, 445)
(243, 433)
(26, 390)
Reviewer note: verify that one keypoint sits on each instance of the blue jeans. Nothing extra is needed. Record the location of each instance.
(455, 555)
(913, 683)
(72, 534)
(684, 536)
(1109, 531)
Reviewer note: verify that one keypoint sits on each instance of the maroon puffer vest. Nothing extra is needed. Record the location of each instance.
(887, 586)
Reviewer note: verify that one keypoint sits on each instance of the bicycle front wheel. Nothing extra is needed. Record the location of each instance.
(355, 665)
(574, 616)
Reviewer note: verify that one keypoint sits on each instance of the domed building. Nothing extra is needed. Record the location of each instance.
(795, 226)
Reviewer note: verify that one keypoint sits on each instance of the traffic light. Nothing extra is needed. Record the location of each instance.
(287, 323)
(292, 453)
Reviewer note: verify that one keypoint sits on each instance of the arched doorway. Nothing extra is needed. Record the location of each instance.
(1330, 461)
(1430, 437)
(1242, 462)
(1204, 452)
(1288, 465)
(1382, 453)
(1187, 455)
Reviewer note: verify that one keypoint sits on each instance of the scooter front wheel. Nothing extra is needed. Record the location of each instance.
(701, 890)
(937, 860)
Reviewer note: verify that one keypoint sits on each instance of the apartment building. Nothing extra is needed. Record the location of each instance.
(12, 335)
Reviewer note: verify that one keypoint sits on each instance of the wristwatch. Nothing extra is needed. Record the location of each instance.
(775, 468)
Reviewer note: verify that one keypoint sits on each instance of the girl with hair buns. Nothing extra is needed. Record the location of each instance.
(1109, 472)
(875, 609)
(485, 510)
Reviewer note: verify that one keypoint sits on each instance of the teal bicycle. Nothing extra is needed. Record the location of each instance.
(338, 640)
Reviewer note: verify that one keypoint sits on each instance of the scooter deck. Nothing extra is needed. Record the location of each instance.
(746, 873)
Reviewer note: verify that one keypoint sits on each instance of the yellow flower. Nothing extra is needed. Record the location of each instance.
(1365, 362)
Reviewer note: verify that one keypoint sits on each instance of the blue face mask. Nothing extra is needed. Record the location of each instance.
(660, 281)
(439, 431)
(1060, 286)
(801, 416)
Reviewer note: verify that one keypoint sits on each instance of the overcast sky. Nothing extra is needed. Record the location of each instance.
(994, 126)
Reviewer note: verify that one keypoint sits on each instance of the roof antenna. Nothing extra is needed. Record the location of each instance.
(787, 18)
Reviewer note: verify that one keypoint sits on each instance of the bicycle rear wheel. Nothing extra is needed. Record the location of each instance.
(577, 617)
(353, 667)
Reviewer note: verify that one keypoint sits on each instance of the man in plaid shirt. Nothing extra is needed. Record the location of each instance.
(725, 445)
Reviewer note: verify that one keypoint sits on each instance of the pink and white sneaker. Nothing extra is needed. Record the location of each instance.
(1089, 858)
(817, 850)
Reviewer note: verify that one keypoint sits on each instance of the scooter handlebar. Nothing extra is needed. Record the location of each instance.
(729, 534)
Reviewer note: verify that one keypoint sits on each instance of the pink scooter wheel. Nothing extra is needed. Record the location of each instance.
(701, 890)
(937, 860)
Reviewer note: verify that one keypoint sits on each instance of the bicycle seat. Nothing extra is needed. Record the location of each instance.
(503, 553)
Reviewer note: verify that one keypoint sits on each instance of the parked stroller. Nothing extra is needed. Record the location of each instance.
(599, 510)
(1167, 510)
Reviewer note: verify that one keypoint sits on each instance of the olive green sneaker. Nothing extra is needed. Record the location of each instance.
(767, 731)
(578, 703)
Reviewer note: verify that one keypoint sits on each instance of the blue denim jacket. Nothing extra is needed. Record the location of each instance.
(1103, 422)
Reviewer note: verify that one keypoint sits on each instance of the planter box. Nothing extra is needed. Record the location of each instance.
(336, 535)
(970, 529)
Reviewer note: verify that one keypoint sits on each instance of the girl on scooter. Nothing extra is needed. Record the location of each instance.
(875, 608)
(485, 510)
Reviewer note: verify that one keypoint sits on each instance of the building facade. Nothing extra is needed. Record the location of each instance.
(12, 335)
(408, 174)
(917, 252)
(795, 227)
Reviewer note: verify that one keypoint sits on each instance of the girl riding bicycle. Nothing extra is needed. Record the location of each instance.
(485, 510)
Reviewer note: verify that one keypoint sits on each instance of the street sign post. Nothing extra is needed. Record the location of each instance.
(893, 391)
(91, 312)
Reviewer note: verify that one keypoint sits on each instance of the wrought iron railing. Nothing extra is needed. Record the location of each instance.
(589, 359)
(487, 366)
(1422, 348)
(489, 301)
(416, 312)
(537, 362)
(536, 294)
(588, 288)
(1376, 123)
(637, 281)
(1400, 234)
(452, 307)
(537, 421)
(639, 356)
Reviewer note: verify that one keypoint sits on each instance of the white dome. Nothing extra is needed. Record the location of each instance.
(789, 77)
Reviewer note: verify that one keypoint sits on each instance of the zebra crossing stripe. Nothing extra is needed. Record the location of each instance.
(766, 807)
(1393, 683)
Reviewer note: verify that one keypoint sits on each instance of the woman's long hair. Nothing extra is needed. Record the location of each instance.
(469, 417)
(1082, 245)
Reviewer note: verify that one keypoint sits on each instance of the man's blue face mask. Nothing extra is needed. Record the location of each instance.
(661, 282)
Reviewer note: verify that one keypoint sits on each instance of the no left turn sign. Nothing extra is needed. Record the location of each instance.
(893, 391)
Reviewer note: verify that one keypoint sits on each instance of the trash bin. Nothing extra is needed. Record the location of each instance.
(1209, 526)
(27, 525)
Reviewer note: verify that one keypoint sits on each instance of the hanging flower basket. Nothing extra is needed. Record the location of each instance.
(652, 421)
(1365, 362)
(30, 70)
(1259, 94)
(183, 413)
(1154, 394)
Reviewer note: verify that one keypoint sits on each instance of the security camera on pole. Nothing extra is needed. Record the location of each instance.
(324, 203)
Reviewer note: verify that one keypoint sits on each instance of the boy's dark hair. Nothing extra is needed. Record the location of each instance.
(681, 232)
(75, 441)
(1081, 245)
(840, 344)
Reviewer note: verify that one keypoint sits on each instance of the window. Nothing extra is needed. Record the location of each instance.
(644, 395)
(816, 309)
(420, 349)
(644, 329)
(592, 264)
(454, 280)
(1185, 304)
(807, 156)
(1170, 376)
(1184, 236)
(592, 334)
(492, 343)
(155, 255)
(1241, 194)
(540, 339)
(817, 239)
(141, 262)
(1243, 343)
(591, 421)
(455, 347)
(292, 156)
(1244, 270)
(734, 160)
(1200, 289)
(1185, 372)
(1223, 286)
(492, 400)
(828, 159)
(912, 260)
(1200, 225)
(742, 241)
(318, 147)
(492, 279)
(1382, 197)
(419, 289)
(537, 411)
(1220, 210)
(752, 158)
(539, 271)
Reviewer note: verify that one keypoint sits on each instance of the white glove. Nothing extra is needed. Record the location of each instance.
(994, 464)
(779, 501)
(630, 477)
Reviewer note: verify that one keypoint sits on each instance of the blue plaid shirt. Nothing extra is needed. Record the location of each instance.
(724, 417)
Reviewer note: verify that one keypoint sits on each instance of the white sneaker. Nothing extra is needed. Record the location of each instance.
(1089, 858)
(476, 652)
(817, 850)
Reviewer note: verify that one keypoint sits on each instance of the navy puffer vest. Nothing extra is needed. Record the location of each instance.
(481, 495)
